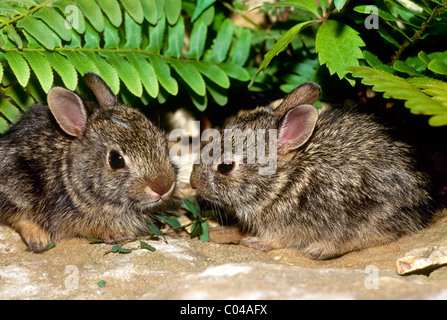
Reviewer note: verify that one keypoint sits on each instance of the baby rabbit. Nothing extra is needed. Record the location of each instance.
(342, 182)
(80, 168)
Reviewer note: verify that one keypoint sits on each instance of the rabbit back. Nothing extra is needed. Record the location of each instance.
(342, 182)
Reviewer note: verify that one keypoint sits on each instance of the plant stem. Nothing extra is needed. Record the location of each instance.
(239, 12)
(417, 35)
(20, 16)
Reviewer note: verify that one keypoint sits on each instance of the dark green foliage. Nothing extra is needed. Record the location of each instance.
(350, 39)
(199, 227)
(138, 47)
(138, 43)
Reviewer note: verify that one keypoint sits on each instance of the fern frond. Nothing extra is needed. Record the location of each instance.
(137, 43)
(422, 95)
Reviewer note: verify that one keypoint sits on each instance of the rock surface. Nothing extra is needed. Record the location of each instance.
(191, 269)
(422, 259)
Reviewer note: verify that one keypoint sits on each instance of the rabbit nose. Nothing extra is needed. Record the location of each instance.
(162, 184)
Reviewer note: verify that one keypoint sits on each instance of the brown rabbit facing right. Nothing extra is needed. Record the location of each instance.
(83, 168)
(342, 181)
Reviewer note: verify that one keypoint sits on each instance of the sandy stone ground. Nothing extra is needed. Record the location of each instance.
(186, 268)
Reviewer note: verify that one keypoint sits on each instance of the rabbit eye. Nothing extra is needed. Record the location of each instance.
(226, 168)
(116, 161)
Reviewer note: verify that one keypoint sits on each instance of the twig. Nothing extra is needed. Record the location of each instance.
(417, 35)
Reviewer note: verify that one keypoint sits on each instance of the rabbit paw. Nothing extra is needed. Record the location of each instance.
(34, 236)
(256, 243)
(321, 251)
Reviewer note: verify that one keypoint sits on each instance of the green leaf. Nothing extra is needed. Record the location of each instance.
(38, 30)
(222, 42)
(424, 57)
(202, 5)
(200, 102)
(55, 21)
(9, 110)
(80, 62)
(242, 48)
(422, 95)
(91, 37)
(438, 120)
(338, 46)
(127, 72)
(155, 230)
(118, 248)
(4, 126)
(197, 40)
(41, 68)
(438, 66)
(18, 66)
(72, 13)
(213, 72)
(173, 9)
(192, 206)
(382, 14)
(134, 8)
(372, 59)
(145, 71)
(21, 98)
(176, 34)
(150, 10)
(113, 11)
(64, 68)
(124, 250)
(196, 229)
(234, 71)
(13, 35)
(280, 45)
(101, 283)
(401, 66)
(93, 13)
(133, 33)
(339, 4)
(163, 73)
(172, 222)
(111, 36)
(147, 246)
(219, 94)
(204, 236)
(200, 229)
(190, 75)
(106, 70)
(156, 35)
(385, 35)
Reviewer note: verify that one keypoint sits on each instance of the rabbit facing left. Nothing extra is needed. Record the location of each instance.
(83, 168)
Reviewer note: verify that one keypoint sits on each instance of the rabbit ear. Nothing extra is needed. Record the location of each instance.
(296, 128)
(68, 110)
(100, 89)
(307, 93)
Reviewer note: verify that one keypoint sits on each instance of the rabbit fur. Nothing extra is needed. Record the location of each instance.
(83, 168)
(342, 182)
